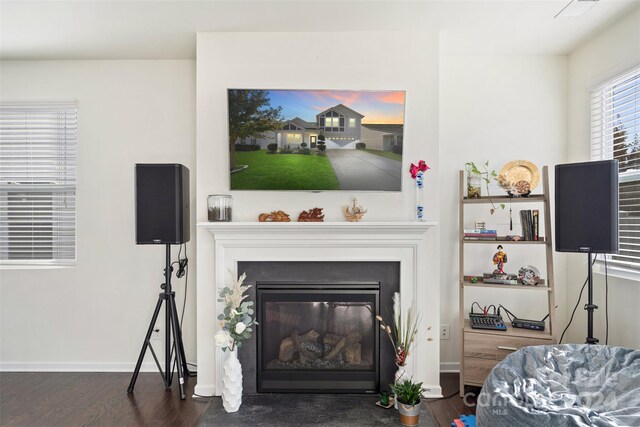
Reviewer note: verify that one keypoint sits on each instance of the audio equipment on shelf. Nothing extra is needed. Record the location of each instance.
(487, 321)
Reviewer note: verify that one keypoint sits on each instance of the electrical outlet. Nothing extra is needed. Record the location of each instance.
(444, 331)
(156, 334)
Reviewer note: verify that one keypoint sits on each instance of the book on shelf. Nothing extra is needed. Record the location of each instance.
(491, 279)
(500, 279)
(530, 222)
(480, 231)
(480, 234)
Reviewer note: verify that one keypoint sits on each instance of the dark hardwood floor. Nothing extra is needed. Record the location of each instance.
(95, 399)
(445, 410)
(101, 399)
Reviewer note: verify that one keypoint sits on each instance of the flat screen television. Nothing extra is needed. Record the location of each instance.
(315, 140)
(586, 199)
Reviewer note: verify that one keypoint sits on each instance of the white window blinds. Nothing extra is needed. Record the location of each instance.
(38, 183)
(615, 134)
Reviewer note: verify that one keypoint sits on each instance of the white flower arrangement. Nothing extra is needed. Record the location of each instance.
(235, 320)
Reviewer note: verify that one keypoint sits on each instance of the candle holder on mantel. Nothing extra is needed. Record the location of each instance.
(220, 207)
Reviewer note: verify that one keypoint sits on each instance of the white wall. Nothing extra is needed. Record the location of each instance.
(609, 53)
(135, 111)
(228, 60)
(496, 108)
(94, 316)
(377, 60)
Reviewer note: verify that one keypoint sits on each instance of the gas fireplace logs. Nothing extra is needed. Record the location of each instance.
(333, 346)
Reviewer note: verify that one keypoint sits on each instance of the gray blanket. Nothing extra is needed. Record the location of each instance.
(563, 385)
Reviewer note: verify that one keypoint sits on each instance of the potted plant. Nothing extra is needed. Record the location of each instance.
(408, 395)
(475, 176)
(402, 334)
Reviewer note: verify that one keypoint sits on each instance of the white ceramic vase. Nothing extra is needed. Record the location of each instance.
(399, 376)
(232, 382)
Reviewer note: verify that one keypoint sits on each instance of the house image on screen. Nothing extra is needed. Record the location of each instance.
(341, 126)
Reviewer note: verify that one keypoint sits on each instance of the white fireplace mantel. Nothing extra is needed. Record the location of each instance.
(371, 230)
(412, 244)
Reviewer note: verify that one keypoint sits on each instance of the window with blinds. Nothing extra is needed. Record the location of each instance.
(615, 134)
(38, 183)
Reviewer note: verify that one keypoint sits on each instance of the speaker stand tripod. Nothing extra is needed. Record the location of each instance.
(172, 329)
(590, 307)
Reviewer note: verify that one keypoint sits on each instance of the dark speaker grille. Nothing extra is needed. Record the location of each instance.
(162, 210)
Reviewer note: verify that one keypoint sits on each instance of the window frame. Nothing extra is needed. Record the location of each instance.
(57, 186)
(602, 147)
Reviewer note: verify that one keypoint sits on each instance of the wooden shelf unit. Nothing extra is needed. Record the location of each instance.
(481, 349)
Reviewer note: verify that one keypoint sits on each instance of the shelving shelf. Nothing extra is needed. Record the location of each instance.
(508, 242)
(504, 199)
(497, 286)
(481, 349)
(510, 332)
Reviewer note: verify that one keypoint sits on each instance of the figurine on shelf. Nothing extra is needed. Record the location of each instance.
(499, 259)
(355, 212)
(275, 216)
(312, 215)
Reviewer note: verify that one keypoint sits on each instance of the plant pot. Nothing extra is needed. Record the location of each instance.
(474, 185)
(409, 414)
(399, 375)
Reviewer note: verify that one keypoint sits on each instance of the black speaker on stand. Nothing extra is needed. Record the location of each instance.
(162, 218)
(587, 216)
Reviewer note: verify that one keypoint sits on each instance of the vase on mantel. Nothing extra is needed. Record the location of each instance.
(399, 376)
(232, 382)
(420, 196)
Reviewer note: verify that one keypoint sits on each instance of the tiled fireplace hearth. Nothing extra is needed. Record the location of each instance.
(319, 286)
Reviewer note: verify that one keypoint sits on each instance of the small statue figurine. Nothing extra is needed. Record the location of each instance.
(355, 212)
(275, 216)
(499, 259)
(312, 215)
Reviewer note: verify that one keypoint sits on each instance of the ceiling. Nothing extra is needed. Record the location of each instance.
(167, 29)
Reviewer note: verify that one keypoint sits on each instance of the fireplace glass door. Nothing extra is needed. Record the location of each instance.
(318, 338)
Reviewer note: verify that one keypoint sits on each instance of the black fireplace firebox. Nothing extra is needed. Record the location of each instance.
(318, 337)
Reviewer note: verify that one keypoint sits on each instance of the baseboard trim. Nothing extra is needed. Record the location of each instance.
(433, 391)
(74, 367)
(206, 390)
(449, 367)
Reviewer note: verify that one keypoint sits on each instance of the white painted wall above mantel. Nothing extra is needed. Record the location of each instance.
(367, 60)
(413, 244)
(370, 60)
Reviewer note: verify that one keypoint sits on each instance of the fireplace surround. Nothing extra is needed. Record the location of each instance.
(412, 245)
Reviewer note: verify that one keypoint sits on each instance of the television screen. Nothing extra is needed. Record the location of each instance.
(587, 207)
(315, 140)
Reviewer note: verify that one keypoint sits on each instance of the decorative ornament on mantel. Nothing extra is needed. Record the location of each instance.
(312, 215)
(355, 212)
(417, 173)
(235, 326)
(275, 216)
